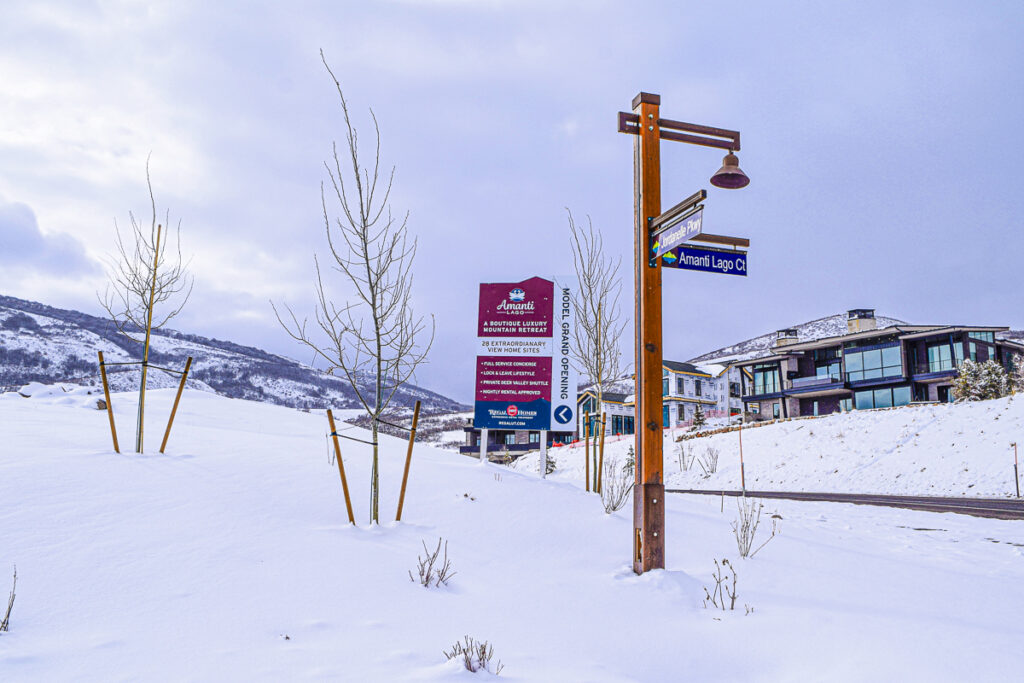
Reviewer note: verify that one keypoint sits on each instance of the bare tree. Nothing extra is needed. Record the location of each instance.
(599, 323)
(373, 338)
(142, 276)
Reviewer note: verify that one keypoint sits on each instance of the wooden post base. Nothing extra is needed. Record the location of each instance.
(649, 530)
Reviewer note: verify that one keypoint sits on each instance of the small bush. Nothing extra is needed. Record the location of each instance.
(745, 526)
(723, 589)
(6, 622)
(476, 656)
(615, 488)
(430, 572)
(709, 463)
(684, 456)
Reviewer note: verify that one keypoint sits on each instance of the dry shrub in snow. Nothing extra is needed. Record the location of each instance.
(723, 589)
(745, 527)
(615, 488)
(685, 456)
(6, 622)
(709, 463)
(430, 571)
(476, 656)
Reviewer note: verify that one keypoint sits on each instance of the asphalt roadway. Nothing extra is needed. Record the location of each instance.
(998, 508)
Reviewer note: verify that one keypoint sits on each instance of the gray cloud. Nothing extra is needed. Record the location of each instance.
(23, 245)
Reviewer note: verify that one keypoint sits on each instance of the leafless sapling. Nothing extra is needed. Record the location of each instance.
(374, 340)
(145, 274)
(615, 486)
(599, 323)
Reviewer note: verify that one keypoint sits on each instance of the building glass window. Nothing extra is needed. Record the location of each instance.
(534, 437)
(664, 416)
(873, 364)
(846, 405)
(989, 337)
(510, 438)
(664, 386)
(939, 357)
(882, 398)
(775, 411)
(680, 386)
(696, 387)
(627, 425)
(766, 379)
(974, 352)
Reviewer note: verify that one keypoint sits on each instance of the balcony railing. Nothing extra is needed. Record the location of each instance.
(827, 380)
(934, 366)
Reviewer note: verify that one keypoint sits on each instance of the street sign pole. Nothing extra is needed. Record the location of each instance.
(649, 128)
(649, 491)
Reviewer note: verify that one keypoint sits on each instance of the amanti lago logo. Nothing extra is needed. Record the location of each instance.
(516, 294)
(512, 411)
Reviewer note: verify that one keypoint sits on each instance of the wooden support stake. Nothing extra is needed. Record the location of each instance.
(174, 409)
(341, 466)
(106, 397)
(408, 459)
(586, 445)
(743, 473)
(600, 461)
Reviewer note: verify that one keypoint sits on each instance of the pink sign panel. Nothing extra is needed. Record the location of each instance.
(513, 378)
(516, 309)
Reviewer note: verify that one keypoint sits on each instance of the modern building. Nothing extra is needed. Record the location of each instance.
(867, 367)
(684, 386)
(509, 441)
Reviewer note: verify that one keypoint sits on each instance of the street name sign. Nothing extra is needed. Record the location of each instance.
(524, 376)
(683, 230)
(706, 259)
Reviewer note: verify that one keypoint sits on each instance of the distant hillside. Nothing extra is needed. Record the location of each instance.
(816, 329)
(39, 343)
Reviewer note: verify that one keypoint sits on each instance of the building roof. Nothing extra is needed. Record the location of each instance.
(679, 366)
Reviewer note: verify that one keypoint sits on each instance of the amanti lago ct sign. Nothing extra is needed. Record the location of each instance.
(707, 259)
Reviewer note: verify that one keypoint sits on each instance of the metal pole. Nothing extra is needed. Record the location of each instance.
(341, 466)
(600, 460)
(543, 453)
(145, 350)
(649, 492)
(408, 459)
(483, 445)
(106, 397)
(177, 398)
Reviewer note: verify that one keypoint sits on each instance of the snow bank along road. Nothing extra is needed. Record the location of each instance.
(229, 559)
(996, 508)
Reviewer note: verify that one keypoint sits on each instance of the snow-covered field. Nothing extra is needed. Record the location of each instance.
(229, 559)
(942, 449)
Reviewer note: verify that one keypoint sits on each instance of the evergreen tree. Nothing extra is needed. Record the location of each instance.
(630, 460)
(980, 381)
(698, 417)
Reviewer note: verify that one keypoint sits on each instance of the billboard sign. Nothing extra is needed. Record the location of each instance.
(707, 260)
(524, 377)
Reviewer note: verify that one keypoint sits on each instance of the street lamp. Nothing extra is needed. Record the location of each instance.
(646, 123)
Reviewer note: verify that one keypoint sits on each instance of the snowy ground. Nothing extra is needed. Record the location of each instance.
(942, 449)
(229, 559)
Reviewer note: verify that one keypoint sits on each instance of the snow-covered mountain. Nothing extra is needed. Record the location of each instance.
(39, 343)
(815, 329)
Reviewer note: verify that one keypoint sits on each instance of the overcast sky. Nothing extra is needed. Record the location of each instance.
(882, 139)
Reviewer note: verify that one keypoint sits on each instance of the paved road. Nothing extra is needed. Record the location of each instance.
(999, 508)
